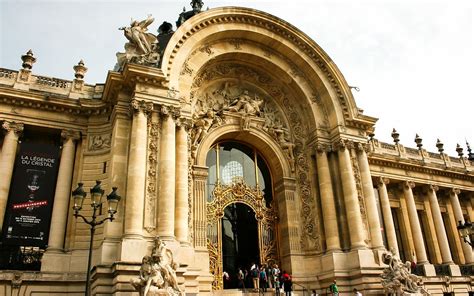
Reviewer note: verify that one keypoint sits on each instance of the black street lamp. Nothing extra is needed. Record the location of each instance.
(96, 202)
(466, 230)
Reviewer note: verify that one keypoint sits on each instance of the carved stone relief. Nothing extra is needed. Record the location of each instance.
(99, 142)
(153, 127)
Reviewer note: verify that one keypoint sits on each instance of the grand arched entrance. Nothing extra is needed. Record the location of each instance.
(241, 214)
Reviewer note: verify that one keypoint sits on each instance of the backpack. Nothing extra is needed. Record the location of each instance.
(254, 273)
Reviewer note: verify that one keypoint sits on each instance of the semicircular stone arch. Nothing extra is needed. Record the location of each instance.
(211, 35)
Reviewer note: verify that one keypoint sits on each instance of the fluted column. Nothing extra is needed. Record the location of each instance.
(370, 202)
(351, 200)
(467, 249)
(63, 191)
(327, 200)
(439, 225)
(181, 210)
(166, 198)
(199, 206)
(415, 223)
(7, 161)
(387, 215)
(135, 196)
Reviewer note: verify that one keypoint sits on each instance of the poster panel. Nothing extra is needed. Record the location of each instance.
(30, 202)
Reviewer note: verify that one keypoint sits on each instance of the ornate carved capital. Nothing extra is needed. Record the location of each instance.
(320, 148)
(166, 111)
(382, 181)
(12, 126)
(433, 187)
(70, 134)
(141, 106)
(455, 191)
(185, 123)
(361, 147)
(408, 185)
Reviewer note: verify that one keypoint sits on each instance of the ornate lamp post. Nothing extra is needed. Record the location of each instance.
(466, 230)
(96, 202)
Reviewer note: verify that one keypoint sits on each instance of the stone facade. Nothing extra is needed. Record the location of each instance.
(234, 73)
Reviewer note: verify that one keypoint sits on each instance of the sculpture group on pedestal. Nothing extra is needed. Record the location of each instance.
(142, 47)
(158, 273)
(397, 279)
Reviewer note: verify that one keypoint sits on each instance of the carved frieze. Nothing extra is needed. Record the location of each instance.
(99, 142)
(153, 128)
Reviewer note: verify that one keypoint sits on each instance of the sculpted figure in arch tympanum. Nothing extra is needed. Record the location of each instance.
(229, 99)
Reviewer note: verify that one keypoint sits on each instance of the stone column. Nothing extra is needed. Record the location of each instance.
(415, 223)
(135, 196)
(467, 249)
(182, 207)
(63, 191)
(7, 161)
(327, 200)
(370, 202)
(387, 215)
(199, 206)
(166, 198)
(439, 225)
(351, 200)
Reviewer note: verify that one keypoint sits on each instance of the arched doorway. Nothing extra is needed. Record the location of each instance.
(239, 198)
(240, 248)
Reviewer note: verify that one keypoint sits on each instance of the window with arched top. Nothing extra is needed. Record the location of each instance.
(232, 162)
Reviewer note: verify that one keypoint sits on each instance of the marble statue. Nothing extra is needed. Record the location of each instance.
(158, 273)
(142, 47)
(397, 278)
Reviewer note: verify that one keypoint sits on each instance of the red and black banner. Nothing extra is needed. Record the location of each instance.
(30, 202)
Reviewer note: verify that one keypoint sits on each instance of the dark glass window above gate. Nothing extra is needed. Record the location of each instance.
(236, 163)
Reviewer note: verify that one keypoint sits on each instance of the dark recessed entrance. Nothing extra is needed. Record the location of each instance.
(239, 241)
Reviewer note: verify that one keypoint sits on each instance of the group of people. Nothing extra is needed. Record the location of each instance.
(260, 278)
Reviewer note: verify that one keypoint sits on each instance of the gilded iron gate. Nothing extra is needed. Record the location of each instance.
(239, 192)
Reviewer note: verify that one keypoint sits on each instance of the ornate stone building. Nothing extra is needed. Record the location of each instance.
(236, 140)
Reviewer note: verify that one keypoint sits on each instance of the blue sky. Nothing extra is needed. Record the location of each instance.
(412, 60)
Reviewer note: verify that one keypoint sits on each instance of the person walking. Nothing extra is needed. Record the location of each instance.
(263, 280)
(255, 272)
(287, 284)
(333, 289)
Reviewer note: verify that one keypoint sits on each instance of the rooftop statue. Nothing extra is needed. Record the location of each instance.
(397, 279)
(142, 47)
(158, 273)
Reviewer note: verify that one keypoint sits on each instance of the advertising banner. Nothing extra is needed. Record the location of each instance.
(30, 202)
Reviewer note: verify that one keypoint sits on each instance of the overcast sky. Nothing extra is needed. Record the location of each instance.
(412, 59)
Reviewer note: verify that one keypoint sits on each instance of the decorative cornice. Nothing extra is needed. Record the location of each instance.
(452, 173)
(12, 126)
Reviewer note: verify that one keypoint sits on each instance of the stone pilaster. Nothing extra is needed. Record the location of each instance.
(414, 223)
(167, 187)
(454, 198)
(181, 209)
(135, 196)
(63, 191)
(354, 216)
(439, 225)
(7, 161)
(387, 214)
(199, 209)
(370, 202)
(327, 200)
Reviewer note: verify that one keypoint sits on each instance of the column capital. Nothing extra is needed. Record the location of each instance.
(361, 147)
(455, 191)
(343, 144)
(408, 185)
(382, 181)
(322, 148)
(433, 187)
(166, 111)
(141, 106)
(12, 126)
(185, 123)
(70, 134)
